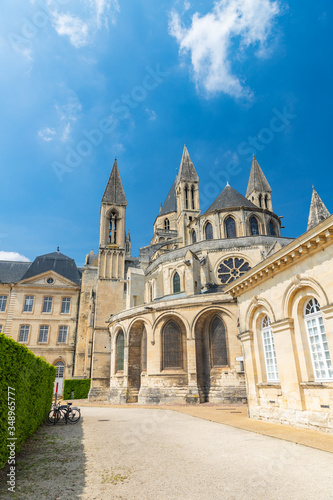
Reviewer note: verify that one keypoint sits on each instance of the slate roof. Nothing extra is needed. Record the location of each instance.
(257, 179)
(57, 262)
(187, 171)
(12, 272)
(318, 211)
(170, 204)
(114, 191)
(230, 198)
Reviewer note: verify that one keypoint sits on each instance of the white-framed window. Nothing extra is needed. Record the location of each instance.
(43, 334)
(62, 336)
(320, 354)
(269, 350)
(65, 305)
(3, 302)
(60, 367)
(47, 306)
(28, 303)
(24, 333)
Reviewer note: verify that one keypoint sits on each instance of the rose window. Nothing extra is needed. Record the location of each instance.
(231, 269)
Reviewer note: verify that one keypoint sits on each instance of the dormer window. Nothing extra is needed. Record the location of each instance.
(113, 229)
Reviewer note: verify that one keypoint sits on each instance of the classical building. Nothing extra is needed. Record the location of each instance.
(218, 307)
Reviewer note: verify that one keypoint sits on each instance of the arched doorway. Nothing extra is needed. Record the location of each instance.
(211, 352)
(137, 359)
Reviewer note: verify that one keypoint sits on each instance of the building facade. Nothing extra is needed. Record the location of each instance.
(218, 307)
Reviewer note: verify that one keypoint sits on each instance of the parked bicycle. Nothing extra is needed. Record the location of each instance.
(65, 413)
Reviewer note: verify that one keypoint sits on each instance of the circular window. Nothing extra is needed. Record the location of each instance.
(50, 281)
(231, 269)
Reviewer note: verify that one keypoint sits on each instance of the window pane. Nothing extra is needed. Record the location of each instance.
(47, 306)
(65, 306)
(62, 337)
(230, 226)
(24, 333)
(219, 343)
(43, 334)
(3, 302)
(28, 303)
(254, 227)
(176, 283)
(209, 231)
(272, 231)
(172, 348)
(319, 349)
(194, 237)
(60, 366)
(120, 352)
(269, 351)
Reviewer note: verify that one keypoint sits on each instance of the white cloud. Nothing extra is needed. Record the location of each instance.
(151, 114)
(71, 110)
(222, 34)
(14, 256)
(73, 27)
(47, 134)
(66, 133)
(105, 10)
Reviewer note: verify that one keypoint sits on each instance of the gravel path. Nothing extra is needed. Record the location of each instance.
(160, 454)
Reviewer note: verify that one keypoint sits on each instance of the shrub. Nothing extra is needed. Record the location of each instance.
(79, 386)
(31, 380)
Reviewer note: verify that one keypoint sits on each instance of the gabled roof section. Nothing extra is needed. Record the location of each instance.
(257, 179)
(187, 171)
(318, 211)
(170, 204)
(230, 198)
(12, 272)
(114, 192)
(57, 262)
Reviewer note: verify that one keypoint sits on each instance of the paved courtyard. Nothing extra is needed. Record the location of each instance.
(136, 453)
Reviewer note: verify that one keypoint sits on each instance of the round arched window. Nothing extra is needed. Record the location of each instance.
(231, 269)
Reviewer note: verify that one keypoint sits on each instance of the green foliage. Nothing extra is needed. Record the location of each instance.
(79, 386)
(31, 380)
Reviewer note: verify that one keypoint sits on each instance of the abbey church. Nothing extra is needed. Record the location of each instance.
(218, 307)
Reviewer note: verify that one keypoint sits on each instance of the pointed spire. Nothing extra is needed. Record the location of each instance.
(318, 211)
(257, 179)
(187, 171)
(114, 191)
(128, 237)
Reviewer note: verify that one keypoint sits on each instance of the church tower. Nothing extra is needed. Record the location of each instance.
(187, 193)
(318, 211)
(258, 190)
(110, 286)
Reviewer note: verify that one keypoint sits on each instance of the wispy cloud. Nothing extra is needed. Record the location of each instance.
(73, 27)
(228, 30)
(105, 10)
(13, 256)
(47, 134)
(151, 114)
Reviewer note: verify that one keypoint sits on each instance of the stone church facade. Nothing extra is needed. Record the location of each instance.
(219, 307)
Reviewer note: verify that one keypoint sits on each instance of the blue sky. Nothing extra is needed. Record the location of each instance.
(228, 78)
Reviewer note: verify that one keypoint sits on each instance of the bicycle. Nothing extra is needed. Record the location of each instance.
(66, 413)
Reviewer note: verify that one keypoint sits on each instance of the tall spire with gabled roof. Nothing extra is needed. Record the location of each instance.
(187, 171)
(258, 189)
(318, 211)
(114, 192)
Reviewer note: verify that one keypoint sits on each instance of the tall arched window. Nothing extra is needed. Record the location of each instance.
(218, 342)
(254, 226)
(192, 197)
(60, 367)
(113, 228)
(193, 236)
(186, 196)
(172, 346)
(269, 350)
(230, 228)
(176, 283)
(320, 354)
(166, 225)
(120, 345)
(209, 231)
(266, 201)
(272, 231)
(260, 200)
